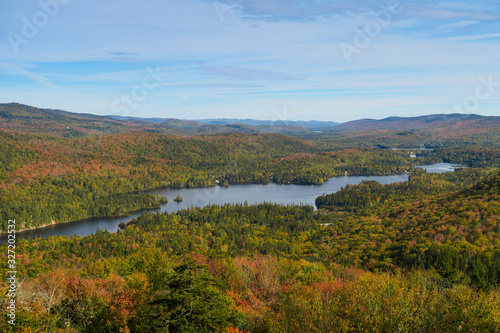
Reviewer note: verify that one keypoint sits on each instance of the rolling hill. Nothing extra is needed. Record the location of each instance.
(448, 123)
(444, 130)
(428, 131)
(27, 119)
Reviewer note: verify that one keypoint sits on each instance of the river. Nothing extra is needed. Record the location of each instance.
(252, 194)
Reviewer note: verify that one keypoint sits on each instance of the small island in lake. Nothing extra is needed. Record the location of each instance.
(178, 198)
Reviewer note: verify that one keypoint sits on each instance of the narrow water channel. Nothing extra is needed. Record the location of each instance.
(233, 194)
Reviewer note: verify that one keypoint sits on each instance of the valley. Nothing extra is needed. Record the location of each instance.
(247, 234)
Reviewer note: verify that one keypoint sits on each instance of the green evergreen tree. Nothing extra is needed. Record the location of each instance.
(190, 302)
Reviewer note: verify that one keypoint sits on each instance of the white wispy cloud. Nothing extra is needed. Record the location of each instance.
(253, 56)
(445, 11)
(455, 26)
(475, 37)
(235, 73)
(40, 79)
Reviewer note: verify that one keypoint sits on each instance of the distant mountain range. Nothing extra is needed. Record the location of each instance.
(28, 119)
(412, 123)
(310, 125)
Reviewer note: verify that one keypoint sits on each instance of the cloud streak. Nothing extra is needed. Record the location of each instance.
(452, 27)
(40, 79)
(301, 10)
(245, 74)
(258, 55)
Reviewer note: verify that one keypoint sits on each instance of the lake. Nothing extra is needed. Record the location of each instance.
(235, 194)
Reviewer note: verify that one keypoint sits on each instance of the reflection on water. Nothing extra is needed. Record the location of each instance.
(233, 194)
(440, 167)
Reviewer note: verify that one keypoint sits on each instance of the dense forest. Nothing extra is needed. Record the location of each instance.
(416, 256)
(47, 179)
(430, 264)
(363, 197)
(52, 178)
(101, 176)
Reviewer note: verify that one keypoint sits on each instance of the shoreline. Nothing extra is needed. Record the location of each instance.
(54, 223)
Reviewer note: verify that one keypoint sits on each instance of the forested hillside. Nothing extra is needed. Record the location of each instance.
(433, 131)
(457, 232)
(27, 119)
(417, 256)
(471, 156)
(430, 264)
(369, 194)
(438, 127)
(48, 179)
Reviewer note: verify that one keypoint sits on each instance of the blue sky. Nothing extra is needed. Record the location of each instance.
(335, 60)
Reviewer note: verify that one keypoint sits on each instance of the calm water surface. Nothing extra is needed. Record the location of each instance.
(440, 167)
(234, 194)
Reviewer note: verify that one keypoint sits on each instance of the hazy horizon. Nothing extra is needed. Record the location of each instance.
(323, 60)
(255, 119)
